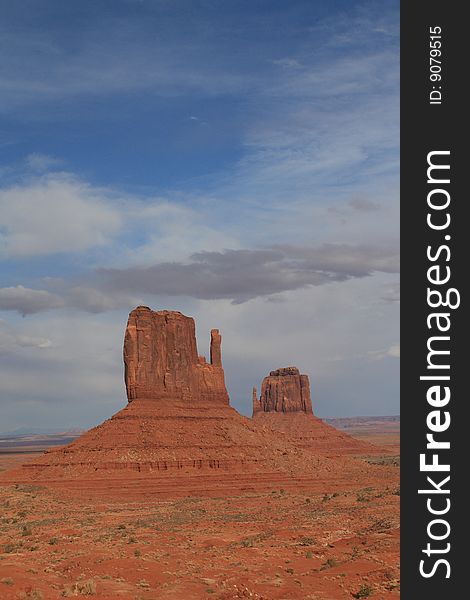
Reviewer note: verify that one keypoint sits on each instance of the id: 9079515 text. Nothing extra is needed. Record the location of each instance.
(435, 64)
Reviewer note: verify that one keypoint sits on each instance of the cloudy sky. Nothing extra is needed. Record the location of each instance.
(237, 161)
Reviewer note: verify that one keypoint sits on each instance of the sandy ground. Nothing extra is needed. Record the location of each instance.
(277, 545)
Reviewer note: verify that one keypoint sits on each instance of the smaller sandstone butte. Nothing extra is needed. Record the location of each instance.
(285, 405)
(285, 391)
(161, 360)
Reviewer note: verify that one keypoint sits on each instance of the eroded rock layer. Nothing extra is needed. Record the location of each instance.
(171, 449)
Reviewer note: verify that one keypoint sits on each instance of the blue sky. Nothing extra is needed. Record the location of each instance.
(237, 161)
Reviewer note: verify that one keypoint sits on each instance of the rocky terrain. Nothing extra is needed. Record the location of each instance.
(285, 405)
(179, 496)
(178, 429)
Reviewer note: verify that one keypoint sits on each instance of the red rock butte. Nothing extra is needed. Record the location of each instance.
(285, 405)
(284, 391)
(178, 434)
(162, 363)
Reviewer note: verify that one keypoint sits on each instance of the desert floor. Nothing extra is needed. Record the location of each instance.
(322, 544)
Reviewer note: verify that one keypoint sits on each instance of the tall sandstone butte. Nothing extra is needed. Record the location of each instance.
(161, 360)
(285, 405)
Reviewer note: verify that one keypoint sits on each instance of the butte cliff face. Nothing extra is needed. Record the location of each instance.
(178, 434)
(161, 361)
(285, 405)
(284, 390)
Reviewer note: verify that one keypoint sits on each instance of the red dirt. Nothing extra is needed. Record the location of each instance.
(310, 432)
(178, 496)
(325, 541)
(324, 538)
(381, 431)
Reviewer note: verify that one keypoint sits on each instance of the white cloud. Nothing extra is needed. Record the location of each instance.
(287, 63)
(42, 162)
(12, 339)
(59, 213)
(243, 274)
(37, 70)
(65, 369)
(53, 214)
(28, 301)
(93, 300)
(172, 231)
(391, 293)
(239, 275)
(392, 352)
